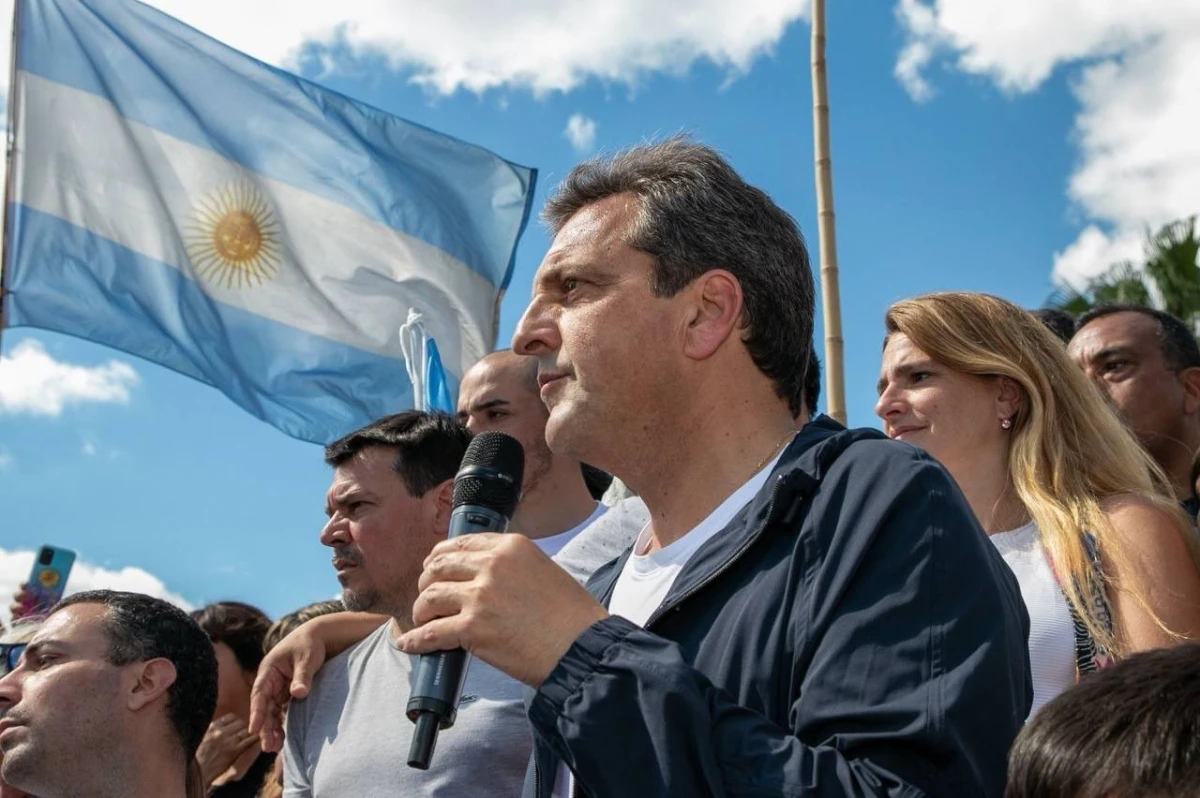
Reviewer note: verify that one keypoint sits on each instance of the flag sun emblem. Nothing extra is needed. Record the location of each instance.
(232, 237)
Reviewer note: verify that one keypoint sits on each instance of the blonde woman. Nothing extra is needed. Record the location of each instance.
(1106, 561)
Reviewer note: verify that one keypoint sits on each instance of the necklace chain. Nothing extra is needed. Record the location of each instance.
(790, 434)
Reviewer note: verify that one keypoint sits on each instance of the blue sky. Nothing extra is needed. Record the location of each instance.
(1010, 170)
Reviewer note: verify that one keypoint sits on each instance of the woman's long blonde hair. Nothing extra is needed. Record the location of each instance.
(1068, 452)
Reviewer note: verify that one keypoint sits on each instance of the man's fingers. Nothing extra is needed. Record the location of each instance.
(442, 634)
(246, 741)
(267, 690)
(452, 566)
(301, 675)
(479, 541)
(272, 740)
(268, 697)
(439, 600)
(270, 736)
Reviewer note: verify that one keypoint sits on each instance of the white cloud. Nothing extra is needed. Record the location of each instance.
(31, 381)
(581, 132)
(1134, 71)
(917, 53)
(15, 567)
(915, 56)
(89, 448)
(543, 45)
(1092, 251)
(6, 459)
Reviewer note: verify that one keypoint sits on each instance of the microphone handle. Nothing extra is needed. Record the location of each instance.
(433, 703)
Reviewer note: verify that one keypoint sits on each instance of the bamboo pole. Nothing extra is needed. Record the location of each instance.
(830, 297)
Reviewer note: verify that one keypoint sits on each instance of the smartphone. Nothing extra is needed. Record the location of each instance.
(47, 580)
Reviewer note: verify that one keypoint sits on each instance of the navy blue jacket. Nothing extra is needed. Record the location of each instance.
(851, 632)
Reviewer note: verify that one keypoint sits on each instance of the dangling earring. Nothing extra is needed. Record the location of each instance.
(1006, 423)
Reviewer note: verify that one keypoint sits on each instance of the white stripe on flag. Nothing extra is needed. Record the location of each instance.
(341, 275)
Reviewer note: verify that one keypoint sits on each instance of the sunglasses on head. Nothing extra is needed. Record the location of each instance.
(10, 656)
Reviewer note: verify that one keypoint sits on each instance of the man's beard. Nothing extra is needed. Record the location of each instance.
(361, 600)
(537, 465)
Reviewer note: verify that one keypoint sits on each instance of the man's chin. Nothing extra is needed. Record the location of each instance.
(360, 600)
(11, 771)
(562, 431)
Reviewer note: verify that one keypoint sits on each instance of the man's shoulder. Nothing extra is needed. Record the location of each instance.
(861, 455)
(860, 474)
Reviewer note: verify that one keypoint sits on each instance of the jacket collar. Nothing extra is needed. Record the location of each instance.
(793, 479)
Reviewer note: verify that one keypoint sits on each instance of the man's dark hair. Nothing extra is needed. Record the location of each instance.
(1057, 321)
(696, 214)
(1133, 729)
(1175, 338)
(240, 626)
(812, 384)
(141, 628)
(429, 447)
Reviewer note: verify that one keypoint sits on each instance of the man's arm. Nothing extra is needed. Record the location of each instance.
(287, 670)
(913, 684)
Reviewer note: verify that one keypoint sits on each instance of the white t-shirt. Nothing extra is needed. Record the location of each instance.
(1051, 628)
(646, 579)
(554, 543)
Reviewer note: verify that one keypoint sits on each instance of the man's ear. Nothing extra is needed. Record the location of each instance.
(151, 680)
(715, 314)
(443, 506)
(1190, 378)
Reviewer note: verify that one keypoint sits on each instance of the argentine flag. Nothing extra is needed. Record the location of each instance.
(181, 201)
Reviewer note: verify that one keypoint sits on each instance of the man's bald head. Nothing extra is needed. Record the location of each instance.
(500, 393)
(506, 360)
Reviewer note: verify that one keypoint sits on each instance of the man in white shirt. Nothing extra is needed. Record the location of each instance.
(500, 393)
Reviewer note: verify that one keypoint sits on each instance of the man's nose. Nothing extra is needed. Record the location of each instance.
(536, 333)
(334, 532)
(10, 689)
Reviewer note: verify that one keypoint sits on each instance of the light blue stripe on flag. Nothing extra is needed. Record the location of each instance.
(241, 225)
(437, 391)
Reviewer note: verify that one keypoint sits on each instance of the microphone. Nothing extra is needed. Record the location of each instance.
(486, 490)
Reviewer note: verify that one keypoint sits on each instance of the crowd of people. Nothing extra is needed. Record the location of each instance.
(712, 589)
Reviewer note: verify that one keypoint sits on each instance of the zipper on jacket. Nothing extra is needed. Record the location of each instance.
(537, 781)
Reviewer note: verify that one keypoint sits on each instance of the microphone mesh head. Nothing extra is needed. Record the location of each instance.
(490, 474)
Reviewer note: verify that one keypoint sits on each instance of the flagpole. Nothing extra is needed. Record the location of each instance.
(830, 298)
(10, 142)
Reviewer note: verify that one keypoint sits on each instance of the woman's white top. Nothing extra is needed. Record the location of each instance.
(1051, 627)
